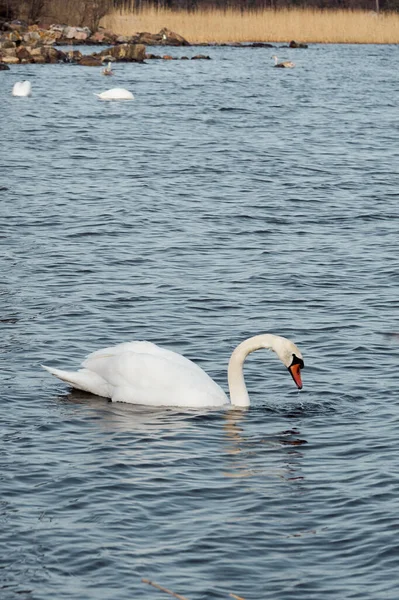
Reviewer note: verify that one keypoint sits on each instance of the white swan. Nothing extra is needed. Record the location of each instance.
(22, 88)
(108, 69)
(143, 373)
(288, 64)
(116, 94)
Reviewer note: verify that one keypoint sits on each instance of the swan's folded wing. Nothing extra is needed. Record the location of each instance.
(143, 373)
(137, 348)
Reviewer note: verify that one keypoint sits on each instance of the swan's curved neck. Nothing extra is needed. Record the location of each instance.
(238, 390)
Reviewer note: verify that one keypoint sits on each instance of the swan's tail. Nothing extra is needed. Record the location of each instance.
(74, 378)
(85, 380)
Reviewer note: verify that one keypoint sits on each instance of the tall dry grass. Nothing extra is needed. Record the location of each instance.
(304, 25)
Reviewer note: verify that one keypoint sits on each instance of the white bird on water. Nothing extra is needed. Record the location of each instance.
(116, 94)
(283, 65)
(108, 69)
(22, 88)
(144, 373)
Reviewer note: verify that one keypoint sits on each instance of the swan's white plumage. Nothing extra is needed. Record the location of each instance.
(116, 94)
(83, 380)
(287, 64)
(108, 69)
(22, 88)
(144, 373)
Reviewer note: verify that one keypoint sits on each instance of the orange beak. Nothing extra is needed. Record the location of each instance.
(295, 371)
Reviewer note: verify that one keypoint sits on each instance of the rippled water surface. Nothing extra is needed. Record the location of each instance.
(230, 198)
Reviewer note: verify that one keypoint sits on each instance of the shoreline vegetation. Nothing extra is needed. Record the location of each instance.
(215, 26)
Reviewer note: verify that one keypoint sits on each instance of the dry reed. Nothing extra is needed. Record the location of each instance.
(178, 596)
(303, 25)
(163, 589)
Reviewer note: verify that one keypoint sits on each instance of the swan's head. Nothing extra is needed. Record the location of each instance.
(290, 356)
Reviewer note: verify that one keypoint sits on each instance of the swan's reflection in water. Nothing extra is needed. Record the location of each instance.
(124, 417)
(246, 452)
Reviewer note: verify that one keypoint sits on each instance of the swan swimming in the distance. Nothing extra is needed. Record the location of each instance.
(108, 69)
(144, 373)
(22, 88)
(287, 64)
(116, 94)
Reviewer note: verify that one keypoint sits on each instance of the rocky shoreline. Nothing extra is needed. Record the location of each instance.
(21, 43)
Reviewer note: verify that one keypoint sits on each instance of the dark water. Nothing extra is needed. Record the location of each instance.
(228, 199)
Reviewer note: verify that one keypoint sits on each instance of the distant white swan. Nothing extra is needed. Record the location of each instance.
(22, 88)
(108, 69)
(283, 65)
(144, 373)
(116, 94)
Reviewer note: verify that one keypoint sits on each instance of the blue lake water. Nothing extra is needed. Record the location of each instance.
(228, 199)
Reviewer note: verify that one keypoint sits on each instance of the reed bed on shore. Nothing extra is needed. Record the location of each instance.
(229, 26)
